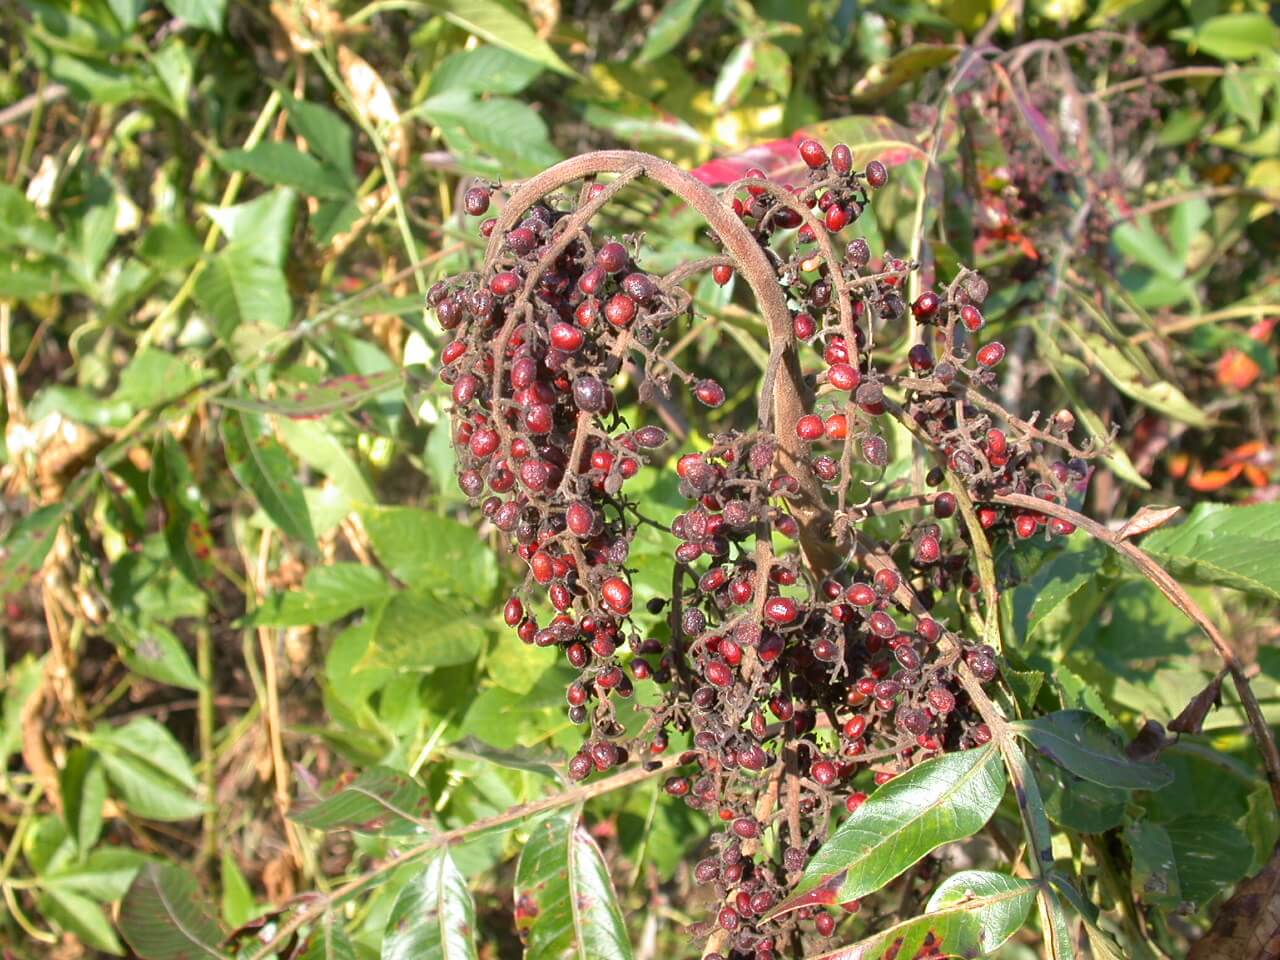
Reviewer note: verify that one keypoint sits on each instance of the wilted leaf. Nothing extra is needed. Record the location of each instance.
(1247, 925)
(1146, 520)
(1191, 719)
(906, 65)
(28, 543)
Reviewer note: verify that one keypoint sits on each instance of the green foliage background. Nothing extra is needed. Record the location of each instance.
(237, 565)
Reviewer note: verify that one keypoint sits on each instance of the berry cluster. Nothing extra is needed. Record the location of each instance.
(787, 674)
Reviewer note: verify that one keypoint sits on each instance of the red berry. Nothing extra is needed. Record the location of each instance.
(877, 175)
(579, 518)
(719, 674)
(928, 550)
(504, 283)
(722, 274)
(920, 358)
(837, 426)
(803, 326)
(812, 153)
(709, 392)
(476, 201)
(844, 376)
(513, 612)
(944, 505)
(926, 305)
(824, 773)
(617, 595)
(887, 580)
(620, 310)
(971, 317)
(855, 800)
(1060, 527)
(825, 924)
(612, 256)
(836, 219)
(991, 354)
(841, 158)
(810, 427)
(1024, 525)
(780, 610)
(566, 337)
(861, 595)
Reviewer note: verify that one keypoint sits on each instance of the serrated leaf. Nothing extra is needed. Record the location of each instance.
(969, 915)
(261, 227)
(668, 29)
(238, 288)
(434, 917)
(569, 908)
(260, 463)
(496, 24)
(380, 801)
(498, 133)
(423, 631)
(1059, 581)
(164, 916)
(484, 70)
(153, 378)
(944, 799)
(148, 770)
(287, 166)
(1233, 546)
(328, 593)
(1080, 742)
(430, 551)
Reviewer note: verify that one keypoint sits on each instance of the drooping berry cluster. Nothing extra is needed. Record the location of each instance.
(788, 673)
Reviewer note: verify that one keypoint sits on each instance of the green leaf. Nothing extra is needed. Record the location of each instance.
(328, 593)
(238, 905)
(1161, 396)
(176, 67)
(328, 136)
(261, 227)
(737, 76)
(82, 917)
(238, 288)
(1226, 545)
(668, 29)
(562, 876)
(498, 134)
(496, 24)
(484, 70)
(84, 791)
(969, 915)
(147, 769)
(153, 651)
(28, 543)
(286, 165)
(915, 61)
(944, 799)
(321, 399)
(205, 14)
(1079, 804)
(430, 551)
(1062, 578)
(186, 523)
(1154, 872)
(1232, 36)
(127, 11)
(164, 916)
(1080, 742)
(263, 468)
(328, 943)
(153, 378)
(1211, 855)
(104, 875)
(422, 631)
(381, 801)
(317, 446)
(434, 917)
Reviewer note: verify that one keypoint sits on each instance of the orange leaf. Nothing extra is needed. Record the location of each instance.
(1206, 481)
(1237, 370)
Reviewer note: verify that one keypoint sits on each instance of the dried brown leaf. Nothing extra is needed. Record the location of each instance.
(1146, 520)
(372, 99)
(1191, 719)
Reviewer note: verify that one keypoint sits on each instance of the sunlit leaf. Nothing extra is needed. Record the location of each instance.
(434, 918)
(381, 801)
(164, 916)
(263, 468)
